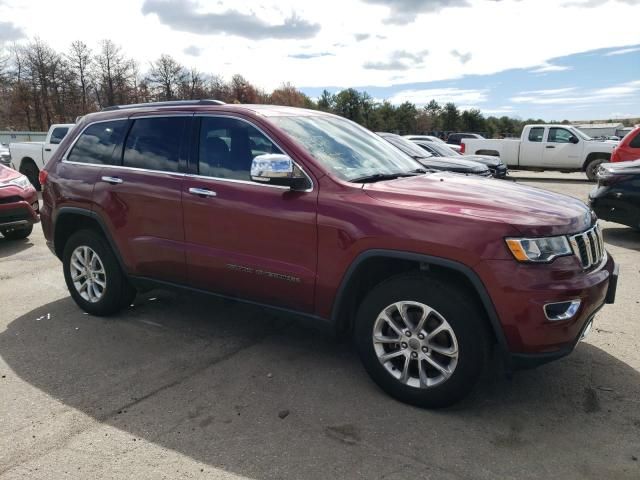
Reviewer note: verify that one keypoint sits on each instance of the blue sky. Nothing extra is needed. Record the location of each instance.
(598, 84)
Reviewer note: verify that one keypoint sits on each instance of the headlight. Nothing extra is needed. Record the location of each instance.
(539, 249)
(21, 181)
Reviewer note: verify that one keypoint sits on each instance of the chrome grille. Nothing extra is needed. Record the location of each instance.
(588, 247)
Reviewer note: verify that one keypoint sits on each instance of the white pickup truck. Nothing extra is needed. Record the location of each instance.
(546, 147)
(31, 157)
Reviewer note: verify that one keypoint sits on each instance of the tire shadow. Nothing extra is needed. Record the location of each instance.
(623, 237)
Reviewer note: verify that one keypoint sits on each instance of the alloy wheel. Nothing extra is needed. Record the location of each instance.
(87, 274)
(415, 344)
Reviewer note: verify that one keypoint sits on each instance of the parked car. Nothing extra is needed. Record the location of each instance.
(456, 138)
(30, 157)
(628, 148)
(617, 196)
(19, 207)
(433, 163)
(496, 167)
(426, 272)
(546, 147)
(431, 138)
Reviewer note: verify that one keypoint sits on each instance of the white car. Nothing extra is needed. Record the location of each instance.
(546, 147)
(430, 138)
(31, 157)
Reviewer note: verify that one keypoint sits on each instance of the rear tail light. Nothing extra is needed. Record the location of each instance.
(462, 147)
(42, 177)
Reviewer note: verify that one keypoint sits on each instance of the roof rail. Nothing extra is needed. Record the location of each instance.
(172, 103)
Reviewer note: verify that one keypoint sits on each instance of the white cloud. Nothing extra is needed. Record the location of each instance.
(548, 67)
(440, 95)
(572, 96)
(622, 51)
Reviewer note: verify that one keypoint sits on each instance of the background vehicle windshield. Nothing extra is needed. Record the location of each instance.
(444, 150)
(347, 149)
(407, 146)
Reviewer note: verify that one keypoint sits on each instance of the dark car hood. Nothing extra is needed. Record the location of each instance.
(630, 167)
(453, 164)
(534, 212)
(488, 160)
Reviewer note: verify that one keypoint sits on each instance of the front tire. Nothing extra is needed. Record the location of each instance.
(592, 169)
(422, 340)
(93, 275)
(17, 233)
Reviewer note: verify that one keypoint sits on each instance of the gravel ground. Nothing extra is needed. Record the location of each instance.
(185, 386)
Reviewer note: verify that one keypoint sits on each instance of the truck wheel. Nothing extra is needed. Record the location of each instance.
(30, 170)
(17, 233)
(93, 275)
(421, 340)
(592, 169)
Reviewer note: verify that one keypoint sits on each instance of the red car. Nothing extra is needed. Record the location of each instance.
(629, 147)
(19, 206)
(308, 212)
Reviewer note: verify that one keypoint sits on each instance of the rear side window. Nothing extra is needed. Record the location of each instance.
(154, 143)
(97, 143)
(536, 134)
(635, 142)
(58, 134)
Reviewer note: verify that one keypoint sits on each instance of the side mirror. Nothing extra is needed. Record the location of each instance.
(278, 169)
(574, 140)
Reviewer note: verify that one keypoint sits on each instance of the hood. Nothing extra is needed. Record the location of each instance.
(621, 168)
(7, 173)
(453, 164)
(488, 160)
(532, 211)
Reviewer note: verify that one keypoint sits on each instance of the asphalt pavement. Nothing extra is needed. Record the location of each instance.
(188, 386)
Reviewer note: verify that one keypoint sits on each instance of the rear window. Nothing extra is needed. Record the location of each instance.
(58, 134)
(97, 143)
(536, 134)
(635, 142)
(154, 143)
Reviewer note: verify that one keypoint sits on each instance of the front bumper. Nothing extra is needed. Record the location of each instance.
(19, 210)
(532, 360)
(520, 292)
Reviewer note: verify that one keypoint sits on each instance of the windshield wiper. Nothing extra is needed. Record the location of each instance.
(378, 177)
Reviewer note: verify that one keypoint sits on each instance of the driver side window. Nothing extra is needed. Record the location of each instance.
(228, 147)
(560, 135)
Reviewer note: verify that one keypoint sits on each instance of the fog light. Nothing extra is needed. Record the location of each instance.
(561, 310)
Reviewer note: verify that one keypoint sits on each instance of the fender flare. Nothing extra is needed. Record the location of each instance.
(461, 268)
(64, 211)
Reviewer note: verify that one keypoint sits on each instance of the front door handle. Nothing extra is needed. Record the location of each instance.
(550, 146)
(47, 149)
(202, 192)
(112, 180)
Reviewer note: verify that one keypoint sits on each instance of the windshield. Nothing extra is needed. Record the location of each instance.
(581, 134)
(350, 151)
(443, 149)
(407, 146)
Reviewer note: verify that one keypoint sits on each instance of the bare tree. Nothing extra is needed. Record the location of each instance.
(167, 75)
(80, 61)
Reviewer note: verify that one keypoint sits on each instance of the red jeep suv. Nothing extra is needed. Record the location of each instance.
(308, 212)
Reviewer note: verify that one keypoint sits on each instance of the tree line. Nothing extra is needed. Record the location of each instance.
(40, 86)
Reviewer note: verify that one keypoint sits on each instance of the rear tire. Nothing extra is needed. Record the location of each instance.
(30, 170)
(93, 275)
(460, 349)
(17, 233)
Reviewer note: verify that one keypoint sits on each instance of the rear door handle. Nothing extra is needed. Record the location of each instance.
(112, 180)
(202, 192)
